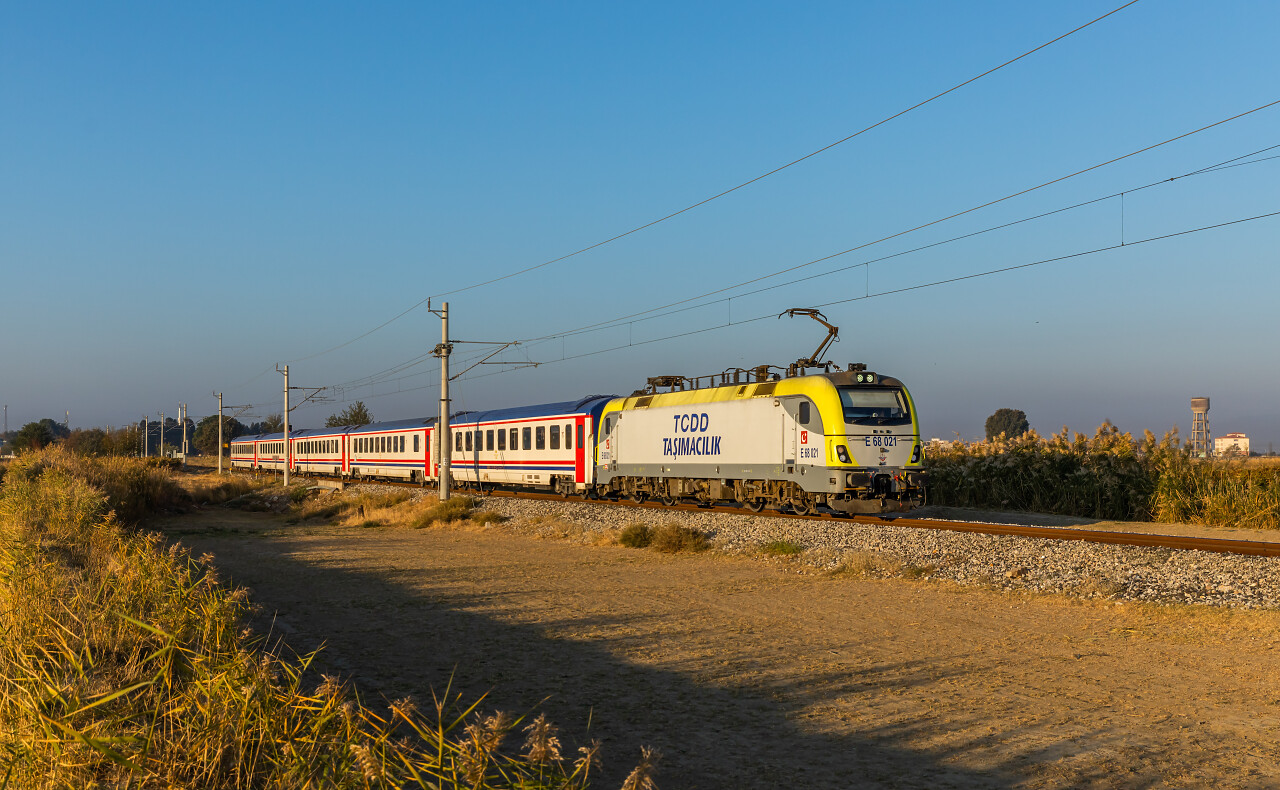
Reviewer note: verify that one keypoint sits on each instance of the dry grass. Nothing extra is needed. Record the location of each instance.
(212, 489)
(1109, 476)
(126, 664)
(865, 563)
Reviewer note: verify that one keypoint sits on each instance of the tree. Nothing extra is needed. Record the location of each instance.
(355, 414)
(1010, 422)
(32, 436)
(273, 424)
(206, 434)
(87, 441)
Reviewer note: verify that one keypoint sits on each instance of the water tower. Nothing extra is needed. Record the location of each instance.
(1200, 427)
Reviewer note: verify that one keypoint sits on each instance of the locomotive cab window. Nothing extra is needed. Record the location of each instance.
(874, 406)
(804, 412)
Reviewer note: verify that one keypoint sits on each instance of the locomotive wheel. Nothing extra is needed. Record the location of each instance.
(801, 507)
(754, 505)
(667, 500)
(637, 496)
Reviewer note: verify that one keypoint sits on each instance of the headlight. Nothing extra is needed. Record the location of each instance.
(842, 453)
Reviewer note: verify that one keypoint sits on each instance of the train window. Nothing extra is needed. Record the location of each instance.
(457, 442)
(540, 438)
(515, 444)
(502, 440)
(804, 412)
(568, 437)
(555, 437)
(415, 442)
(479, 439)
(468, 441)
(526, 436)
(864, 406)
(580, 436)
(488, 439)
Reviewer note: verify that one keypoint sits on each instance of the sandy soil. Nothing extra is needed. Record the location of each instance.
(747, 674)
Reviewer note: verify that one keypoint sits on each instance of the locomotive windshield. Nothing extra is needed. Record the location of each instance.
(867, 406)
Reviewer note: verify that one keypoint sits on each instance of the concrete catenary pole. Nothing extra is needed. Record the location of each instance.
(161, 453)
(146, 436)
(286, 425)
(443, 438)
(219, 433)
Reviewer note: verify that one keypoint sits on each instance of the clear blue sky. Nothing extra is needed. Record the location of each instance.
(191, 193)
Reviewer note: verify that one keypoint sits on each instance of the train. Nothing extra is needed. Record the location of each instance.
(845, 441)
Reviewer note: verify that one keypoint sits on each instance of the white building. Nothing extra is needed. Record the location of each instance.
(1231, 444)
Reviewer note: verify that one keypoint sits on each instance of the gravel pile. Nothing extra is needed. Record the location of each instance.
(1089, 570)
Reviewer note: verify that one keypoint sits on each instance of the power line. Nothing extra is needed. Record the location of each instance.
(718, 195)
(988, 204)
(385, 376)
(650, 315)
(932, 284)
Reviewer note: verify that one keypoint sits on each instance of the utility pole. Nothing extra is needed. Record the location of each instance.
(161, 435)
(146, 436)
(286, 422)
(443, 445)
(219, 433)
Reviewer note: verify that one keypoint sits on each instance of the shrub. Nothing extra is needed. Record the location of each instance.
(636, 535)
(673, 538)
(781, 548)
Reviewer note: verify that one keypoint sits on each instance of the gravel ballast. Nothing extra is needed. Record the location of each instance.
(1090, 570)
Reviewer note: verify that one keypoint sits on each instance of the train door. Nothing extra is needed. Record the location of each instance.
(579, 450)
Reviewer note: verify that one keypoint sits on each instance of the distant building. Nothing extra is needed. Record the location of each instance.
(1231, 444)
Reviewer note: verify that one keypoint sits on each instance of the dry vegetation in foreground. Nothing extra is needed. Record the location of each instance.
(126, 664)
(1109, 476)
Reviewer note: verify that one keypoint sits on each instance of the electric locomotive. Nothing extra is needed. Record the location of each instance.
(847, 440)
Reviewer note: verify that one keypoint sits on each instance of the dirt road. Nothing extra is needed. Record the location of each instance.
(749, 675)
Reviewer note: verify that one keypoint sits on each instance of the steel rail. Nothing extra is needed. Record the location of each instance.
(1254, 548)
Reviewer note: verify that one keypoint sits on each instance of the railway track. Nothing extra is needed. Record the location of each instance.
(1253, 548)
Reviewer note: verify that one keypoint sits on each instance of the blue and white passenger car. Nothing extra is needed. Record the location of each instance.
(400, 450)
(548, 446)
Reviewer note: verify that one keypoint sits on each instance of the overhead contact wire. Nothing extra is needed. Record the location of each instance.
(718, 195)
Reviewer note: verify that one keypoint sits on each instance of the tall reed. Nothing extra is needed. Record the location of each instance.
(1110, 475)
(126, 664)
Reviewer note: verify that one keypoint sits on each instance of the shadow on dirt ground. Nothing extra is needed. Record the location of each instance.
(611, 646)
